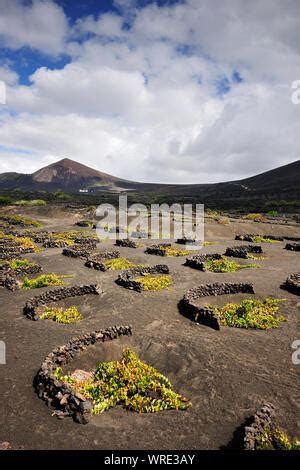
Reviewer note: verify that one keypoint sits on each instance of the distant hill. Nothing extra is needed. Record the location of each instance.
(66, 175)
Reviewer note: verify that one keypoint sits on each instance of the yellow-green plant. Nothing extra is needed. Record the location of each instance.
(130, 383)
(19, 220)
(59, 315)
(43, 281)
(276, 439)
(170, 251)
(223, 265)
(263, 239)
(118, 263)
(255, 217)
(250, 313)
(20, 263)
(149, 282)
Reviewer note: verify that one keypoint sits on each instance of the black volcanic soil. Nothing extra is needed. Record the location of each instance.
(226, 374)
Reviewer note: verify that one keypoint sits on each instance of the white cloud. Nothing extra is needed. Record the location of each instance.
(142, 104)
(41, 25)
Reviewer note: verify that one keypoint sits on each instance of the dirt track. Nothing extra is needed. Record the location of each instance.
(226, 374)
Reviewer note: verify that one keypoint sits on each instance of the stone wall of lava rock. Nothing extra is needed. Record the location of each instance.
(126, 242)
(263, 420)
(31, 308)
(61, 395)
(127, 278)
(292, 284)
(242, 251)
(203, 314)
(199, 261)
(97, 261)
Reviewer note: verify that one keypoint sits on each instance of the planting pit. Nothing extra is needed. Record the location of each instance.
(189, 304)
(199, 261)
(79, 251)
(11, 270)
(242, 251)
(292, 246)
(97, 260)
(292, 284)
(92, 374)
(166, 249)
(35, 306)
(128, 278)
(61, 395)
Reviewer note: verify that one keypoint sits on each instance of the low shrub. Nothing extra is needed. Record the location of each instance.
(59, 315)
(5, 200)
(33, 202)
(155, 282)
(250, 313)
(43, 281)
(62, 196)
(118, 263)
(273, 213)
(255, 217)
(130, 383)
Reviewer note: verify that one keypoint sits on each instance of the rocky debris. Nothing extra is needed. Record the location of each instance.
(127, 277)
(31, 308)
(159, 250)
(249, 237)
(97, 260)
(198, 261)
(263, 420)
(242, 251)
(292, 284)
(187, 241)
(292, 246)
(84, 223)
(203, 314)
(127, 243)
(79, 251)
(61, 395)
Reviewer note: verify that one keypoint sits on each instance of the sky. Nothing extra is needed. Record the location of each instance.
(189, 91)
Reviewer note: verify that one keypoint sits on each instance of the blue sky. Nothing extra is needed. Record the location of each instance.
(172, 91)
